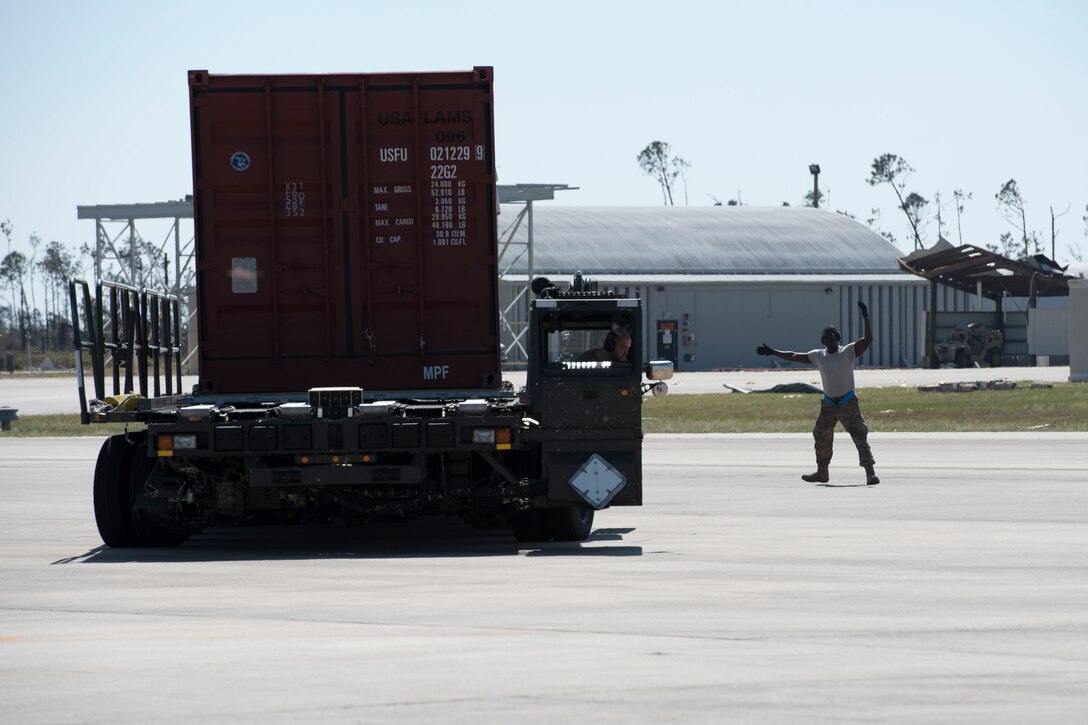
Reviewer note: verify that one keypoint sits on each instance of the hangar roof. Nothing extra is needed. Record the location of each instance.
(696, 240)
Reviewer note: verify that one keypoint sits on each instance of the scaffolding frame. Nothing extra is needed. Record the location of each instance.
(115, 223)
(514, 317)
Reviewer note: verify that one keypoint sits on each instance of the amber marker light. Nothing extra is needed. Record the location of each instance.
(502, 439)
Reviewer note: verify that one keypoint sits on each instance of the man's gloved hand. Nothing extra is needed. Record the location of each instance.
(864, 309)
(764, 350)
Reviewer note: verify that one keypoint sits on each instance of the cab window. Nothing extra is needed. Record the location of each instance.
(590, 346)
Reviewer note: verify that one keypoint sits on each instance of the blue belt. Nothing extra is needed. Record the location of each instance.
(841, 400)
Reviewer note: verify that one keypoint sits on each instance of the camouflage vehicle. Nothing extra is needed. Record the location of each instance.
(967, 345)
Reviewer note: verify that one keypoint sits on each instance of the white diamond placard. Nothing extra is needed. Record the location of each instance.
(597, 481)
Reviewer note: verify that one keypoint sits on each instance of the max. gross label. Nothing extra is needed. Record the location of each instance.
(449, 161)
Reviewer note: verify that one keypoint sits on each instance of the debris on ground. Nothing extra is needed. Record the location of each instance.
(968, 387)
(781, 388)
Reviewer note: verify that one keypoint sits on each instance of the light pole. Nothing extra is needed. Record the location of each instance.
(814, 169)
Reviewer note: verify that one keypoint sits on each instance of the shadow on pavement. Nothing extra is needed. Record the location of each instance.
(429, 537)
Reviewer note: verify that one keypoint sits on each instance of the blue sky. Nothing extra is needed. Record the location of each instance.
(94, 107)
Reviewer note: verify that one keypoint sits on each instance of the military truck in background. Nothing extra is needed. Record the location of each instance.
(347, 312)
(967, 345)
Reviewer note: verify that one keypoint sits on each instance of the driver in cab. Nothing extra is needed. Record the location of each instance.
(614, 349)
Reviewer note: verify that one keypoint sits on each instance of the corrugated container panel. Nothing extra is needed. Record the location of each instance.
(346, 231)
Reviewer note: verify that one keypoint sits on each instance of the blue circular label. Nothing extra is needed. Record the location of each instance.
(239, 161)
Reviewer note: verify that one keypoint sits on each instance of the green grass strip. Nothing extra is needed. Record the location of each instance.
(906, 410)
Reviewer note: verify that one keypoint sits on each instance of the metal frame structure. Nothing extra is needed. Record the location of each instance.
(108, 216)
(514, 317)
(133, 332)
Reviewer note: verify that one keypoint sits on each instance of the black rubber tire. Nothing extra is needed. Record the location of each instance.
(112, 493)
(529, 526)
(962, 359)
(569, 523)
(148, 532)
(934, 361)
(993, 359)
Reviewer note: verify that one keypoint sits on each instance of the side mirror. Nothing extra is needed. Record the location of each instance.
(658, 369)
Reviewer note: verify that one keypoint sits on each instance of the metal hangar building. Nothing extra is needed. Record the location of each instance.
(718, 281)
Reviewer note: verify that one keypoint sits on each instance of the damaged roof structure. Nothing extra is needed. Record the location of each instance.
(974, 269)
(980, 271)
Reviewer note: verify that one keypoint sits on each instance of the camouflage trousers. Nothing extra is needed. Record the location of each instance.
(849, 414)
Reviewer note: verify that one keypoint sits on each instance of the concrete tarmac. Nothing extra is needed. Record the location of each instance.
(952, 592)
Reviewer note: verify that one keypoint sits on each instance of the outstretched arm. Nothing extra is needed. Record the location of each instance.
(796, 357)
(866, 340)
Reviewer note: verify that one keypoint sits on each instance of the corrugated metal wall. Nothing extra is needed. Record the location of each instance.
(720, 324)
(1048, 331)
(1078, 330)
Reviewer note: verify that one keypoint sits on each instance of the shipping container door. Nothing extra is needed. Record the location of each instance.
(265, 233)
(427, 235)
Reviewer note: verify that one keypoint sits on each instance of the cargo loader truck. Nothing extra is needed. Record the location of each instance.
(346, 319)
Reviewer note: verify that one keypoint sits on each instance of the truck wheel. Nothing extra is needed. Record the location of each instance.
(149, 532)
(529, 526)
(934, 361)
(570, 523)
(961, 359)
(112, 501)
(993, 358)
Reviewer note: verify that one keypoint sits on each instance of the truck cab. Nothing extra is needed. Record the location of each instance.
(585, 396)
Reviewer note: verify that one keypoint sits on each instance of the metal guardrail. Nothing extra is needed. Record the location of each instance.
(139, 333)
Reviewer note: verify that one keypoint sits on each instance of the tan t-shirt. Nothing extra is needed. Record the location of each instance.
(836, 370)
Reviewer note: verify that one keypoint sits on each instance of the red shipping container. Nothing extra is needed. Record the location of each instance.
(346, 231)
